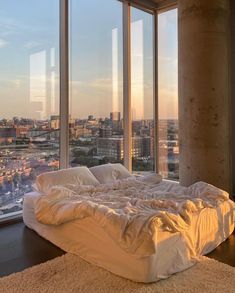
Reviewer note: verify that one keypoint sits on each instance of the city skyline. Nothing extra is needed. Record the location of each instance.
(30, 147)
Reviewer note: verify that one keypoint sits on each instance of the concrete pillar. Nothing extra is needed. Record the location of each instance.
(204, 94)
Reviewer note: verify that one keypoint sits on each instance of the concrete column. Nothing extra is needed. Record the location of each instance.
(204, 94)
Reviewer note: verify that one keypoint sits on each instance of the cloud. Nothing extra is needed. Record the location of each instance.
(10, 26)
(102, 83)
(77, 83)
(32, 44)
(3, 43)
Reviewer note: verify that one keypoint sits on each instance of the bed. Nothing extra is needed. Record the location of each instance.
(173, 252)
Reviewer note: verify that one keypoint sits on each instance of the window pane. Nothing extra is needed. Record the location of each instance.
(142, 90)
(96, 116)
(168, 94)
(29, 121)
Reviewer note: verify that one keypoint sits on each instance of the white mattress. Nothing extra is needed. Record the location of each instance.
(88, 240)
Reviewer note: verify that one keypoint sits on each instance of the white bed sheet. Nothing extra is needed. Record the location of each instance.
(88, 240)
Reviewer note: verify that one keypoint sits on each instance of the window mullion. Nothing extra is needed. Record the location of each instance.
(127, 86)
(64, 84)
(155, 92)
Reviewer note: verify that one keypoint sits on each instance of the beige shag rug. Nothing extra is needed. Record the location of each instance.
(69, 273)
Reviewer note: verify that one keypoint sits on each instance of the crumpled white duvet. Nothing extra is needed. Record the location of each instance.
(131, 210)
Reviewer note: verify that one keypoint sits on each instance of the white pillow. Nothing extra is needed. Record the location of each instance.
(77, 175)
(110, 172)
(123, 172)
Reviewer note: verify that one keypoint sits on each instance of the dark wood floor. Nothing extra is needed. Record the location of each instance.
(21, 248)
(225, 252)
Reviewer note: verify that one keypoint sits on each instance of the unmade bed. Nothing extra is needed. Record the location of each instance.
(173, 252)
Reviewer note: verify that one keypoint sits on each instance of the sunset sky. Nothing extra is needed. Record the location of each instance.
(29, 51)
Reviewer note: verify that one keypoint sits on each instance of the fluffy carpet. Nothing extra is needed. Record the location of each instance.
(70, 273)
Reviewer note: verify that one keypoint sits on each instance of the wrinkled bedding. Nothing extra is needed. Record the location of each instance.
(131, 211)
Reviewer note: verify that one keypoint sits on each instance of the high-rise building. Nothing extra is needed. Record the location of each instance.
(105, 131)
(115, 116)
(55, 122)
(110, 147)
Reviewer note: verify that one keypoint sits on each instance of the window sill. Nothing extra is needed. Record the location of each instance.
(11, 218)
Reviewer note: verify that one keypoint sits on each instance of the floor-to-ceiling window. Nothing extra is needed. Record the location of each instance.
(168, 148)
(29, 96)
(96, 99)
(142, 94)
